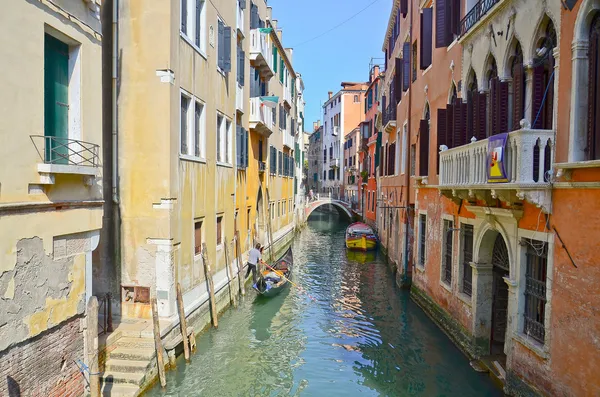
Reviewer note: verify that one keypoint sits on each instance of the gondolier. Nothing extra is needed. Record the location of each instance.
(254, 257)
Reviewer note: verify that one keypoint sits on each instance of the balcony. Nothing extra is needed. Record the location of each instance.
(239, 98)
(288, 140)
(262, 167)
(261, 53)
(334, 163)
(261, 117)
(389, 119)
(66, 156)
(528, 159)
(287, 96)
(475, 14)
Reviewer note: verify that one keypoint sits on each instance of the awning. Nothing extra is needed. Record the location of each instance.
(270, 101)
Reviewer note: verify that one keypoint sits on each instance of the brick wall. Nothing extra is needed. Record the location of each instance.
(45, 365)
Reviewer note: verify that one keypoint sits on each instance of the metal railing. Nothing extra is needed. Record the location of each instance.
(65, 151)
(389, 114)
(479, 10)
(104, 308)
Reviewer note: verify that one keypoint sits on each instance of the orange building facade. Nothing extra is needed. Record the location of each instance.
(487, 181)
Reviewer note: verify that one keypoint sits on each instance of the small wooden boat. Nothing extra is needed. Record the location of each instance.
(360, 237)
(272, 281)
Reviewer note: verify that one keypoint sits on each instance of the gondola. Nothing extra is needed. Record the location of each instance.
(360, 237)
(271, 282)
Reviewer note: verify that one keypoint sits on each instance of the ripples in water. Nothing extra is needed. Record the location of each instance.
(362, 336)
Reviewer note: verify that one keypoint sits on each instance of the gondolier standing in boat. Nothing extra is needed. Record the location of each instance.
(254, 258)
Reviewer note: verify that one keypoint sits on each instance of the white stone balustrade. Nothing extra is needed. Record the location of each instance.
(526, 151)
(261, 51)
(261, 117)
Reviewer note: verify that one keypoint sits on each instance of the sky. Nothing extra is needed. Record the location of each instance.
(342, 54)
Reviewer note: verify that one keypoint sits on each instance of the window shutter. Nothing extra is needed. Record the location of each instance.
(238, 145)
(454, 18)
(593, 124)
(494, 106)
(398, 79)
(383, 106)
(424, 148)
(457, 132)
(441, 132)
(426, 39)
(274, 59)
(242, 4)
(254, 17)
(198, 15)
(243, 63)
(449, 125)
(221, 45)
(480, 119)
(403, 9)
(440, 23)
(502, 122)
(406, 66)
(538, 95)
(184, 16)
(245, 134)
(470, 116)
(518, 94)
(227, 49)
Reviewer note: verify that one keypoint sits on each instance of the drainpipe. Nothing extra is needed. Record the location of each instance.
(115, 140)
(407, 166)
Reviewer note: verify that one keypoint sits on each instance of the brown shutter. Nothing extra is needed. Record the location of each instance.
(457, 133)
(398, 81)
(424, 148)
(441, 133)
(426, 38)
(537, 96)
(404, 7)
(470, 116)
(454, 18)
(197, 237)
(440, 23)
(494, 106)
(502, 107)
(480, 116)
(517, 96)
(449, 125)
(219, 222)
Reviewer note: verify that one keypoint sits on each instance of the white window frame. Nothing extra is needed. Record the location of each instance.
(444, 239)
(190, 35)
(191, 128)
(418, 265)
(224, 132)
(222, 244)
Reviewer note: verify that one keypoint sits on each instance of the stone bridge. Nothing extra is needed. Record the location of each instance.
(342, 205)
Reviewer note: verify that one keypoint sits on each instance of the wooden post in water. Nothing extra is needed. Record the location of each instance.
(183, 324)
(92, 345)
(240, 265)
(160, 362)
(229, 272)
(211, 286)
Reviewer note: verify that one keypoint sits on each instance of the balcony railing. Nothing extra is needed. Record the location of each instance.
(389, 118)
(65, 151)
(261, 117)
(239, 98)
(288, 139)
(261, 55)
(528, 159)
(477, 12)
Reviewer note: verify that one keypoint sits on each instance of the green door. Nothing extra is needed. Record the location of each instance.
(56, 100)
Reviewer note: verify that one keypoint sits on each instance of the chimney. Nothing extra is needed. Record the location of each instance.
(274, 24)
(376, 71)
(319, 123)
(289, 52)
(269, 12)
(330, 94)
(315, 125)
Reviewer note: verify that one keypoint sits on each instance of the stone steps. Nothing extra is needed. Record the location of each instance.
(125, 353)
(119, 390)
(136, 343)
(134, 378)
(134, 366)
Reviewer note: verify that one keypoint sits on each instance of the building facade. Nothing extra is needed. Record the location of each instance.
(351, 174)
(315, 159)
(342, 113)
(50, 193)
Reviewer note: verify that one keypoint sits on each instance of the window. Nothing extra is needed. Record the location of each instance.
(193, 22)
(447, 256)
(199, 129)
(356, 99)
(404, 148)
(413, 160)
(197, 237)
(219, 230)
(467, 258)
(242, 147)
(414, 61)
(447, 22)
(592, 150)
(184, 124)
(224, 47)
(422, 238)
(535, 290)
(426, 27)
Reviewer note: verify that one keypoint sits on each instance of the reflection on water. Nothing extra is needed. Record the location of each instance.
(362, 336)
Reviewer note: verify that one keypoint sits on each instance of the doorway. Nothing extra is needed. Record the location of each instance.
(500, 269)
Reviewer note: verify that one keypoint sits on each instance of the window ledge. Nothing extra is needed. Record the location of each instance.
(577, 165)
(446, 286)
(67, 169)
(466, 299)
(532, 345)
(418, 267)
(423, 72)
(226, 165)
(187, 157)
(193, 45)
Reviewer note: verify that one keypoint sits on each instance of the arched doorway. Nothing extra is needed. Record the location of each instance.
(500, 269)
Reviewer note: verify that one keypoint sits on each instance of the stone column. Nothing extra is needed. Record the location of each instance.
(511, 316)
(579, 100)
(482, 306)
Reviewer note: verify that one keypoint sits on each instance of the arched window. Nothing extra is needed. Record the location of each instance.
(356, 98)
(426, 112)
(593, 127)
(493, 111)
(453, 94)
(517, 72)
(543, 80)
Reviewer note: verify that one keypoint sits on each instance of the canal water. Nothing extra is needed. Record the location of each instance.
(362, 336)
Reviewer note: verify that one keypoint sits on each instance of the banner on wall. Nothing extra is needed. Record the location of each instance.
(496, 158)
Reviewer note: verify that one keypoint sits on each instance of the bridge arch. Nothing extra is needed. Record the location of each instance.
(344, 207)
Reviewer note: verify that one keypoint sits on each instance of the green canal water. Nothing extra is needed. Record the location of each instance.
(362, 336)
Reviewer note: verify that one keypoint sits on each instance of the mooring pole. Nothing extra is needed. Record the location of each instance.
(211, 286)
(160, 362)
(183, 324)
(229, 272)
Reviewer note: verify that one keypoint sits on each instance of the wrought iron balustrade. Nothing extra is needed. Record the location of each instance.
(65, 151)
(479, 10)
(389, 114)
(262, 166)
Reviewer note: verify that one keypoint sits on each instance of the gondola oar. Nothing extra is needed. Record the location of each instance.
(280, 273)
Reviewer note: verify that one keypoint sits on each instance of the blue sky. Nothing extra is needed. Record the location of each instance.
(340, 55)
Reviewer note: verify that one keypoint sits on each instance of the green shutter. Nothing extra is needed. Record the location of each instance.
(56, 99)
(377, 149)
(281, 71)
(275, 59)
